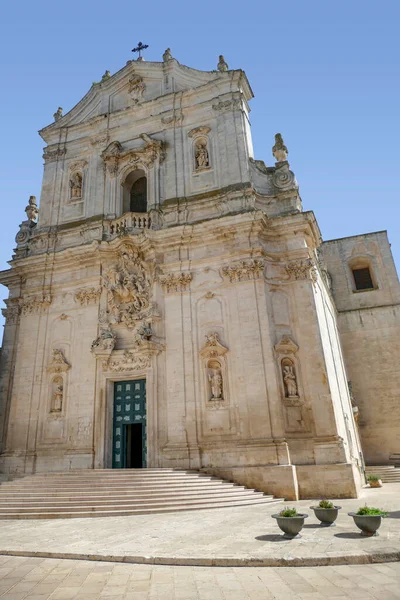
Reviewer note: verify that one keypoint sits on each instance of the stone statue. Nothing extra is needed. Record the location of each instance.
(201, 155)
(279, 150)
(106, 76)
(222, 65)
(58, 393)
(32, 210)
(75, 185)
(58, 114)
(215, 379)
(290, 381)
(167, 55)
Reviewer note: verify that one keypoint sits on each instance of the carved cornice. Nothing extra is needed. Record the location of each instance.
(86, 296)
(302, 269)
(203, 130)
(114, 157)
(176, 282)
(244, 270)
(35, 304)
(58, 363)
(50, 155)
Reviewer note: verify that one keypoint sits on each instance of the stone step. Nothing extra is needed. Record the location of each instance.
(98, 493)
(387, 473)
(99, 500)
(132, 512)
(114, 487)
(113, 506)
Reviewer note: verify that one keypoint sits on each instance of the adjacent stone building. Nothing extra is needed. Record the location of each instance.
(174, 306)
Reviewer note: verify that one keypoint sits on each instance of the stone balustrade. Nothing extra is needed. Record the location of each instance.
(128, 222)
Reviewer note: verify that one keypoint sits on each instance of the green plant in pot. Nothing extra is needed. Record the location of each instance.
(326, 512)
(374, 481)
(290, 522)
(368, 519)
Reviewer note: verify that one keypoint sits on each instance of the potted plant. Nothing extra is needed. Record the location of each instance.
(368, 519)
(374, 481)
(326, 512)
(290, 522)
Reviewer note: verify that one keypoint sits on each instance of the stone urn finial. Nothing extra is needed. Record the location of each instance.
(222, 65)
(279, 150)
(32, 210)
(58, 114)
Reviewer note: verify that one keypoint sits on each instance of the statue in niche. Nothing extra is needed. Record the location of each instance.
(289, 378)
(75, 185)
(57, 395)
(215, 379)
(202, 159)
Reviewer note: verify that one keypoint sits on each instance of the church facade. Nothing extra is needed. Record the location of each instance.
(174, 306)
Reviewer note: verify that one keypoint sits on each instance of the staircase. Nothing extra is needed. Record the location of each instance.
(111, 492)
(387, 473)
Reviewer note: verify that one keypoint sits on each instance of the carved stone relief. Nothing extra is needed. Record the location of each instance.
(128, 285)
(13, 310)
(105, 342)
(244, 270)
(75, 186)
(129, 361)
(226, 105)
(137, 88)
(176, 282)
(86, 296)
(115, 158)
(58, 362)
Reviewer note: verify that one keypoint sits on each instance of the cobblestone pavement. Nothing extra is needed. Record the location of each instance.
(52, 579)
(226, 537)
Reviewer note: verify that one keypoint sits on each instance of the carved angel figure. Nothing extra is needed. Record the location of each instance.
(202, 159)
(290, 381)
(75, 184)
(222, 65)
(167, 55)
(215, 379)
(58, 114)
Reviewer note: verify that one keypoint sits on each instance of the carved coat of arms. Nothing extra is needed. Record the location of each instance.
(128, 285)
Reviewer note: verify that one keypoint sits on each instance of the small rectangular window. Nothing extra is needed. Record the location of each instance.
(363, 279)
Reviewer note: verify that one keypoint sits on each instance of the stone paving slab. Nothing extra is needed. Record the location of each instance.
(49, 579)
(219, 537)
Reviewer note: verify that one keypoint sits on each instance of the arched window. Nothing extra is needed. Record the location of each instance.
(135, 192)
(138, 198)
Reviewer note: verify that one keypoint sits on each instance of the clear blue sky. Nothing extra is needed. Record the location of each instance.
(324, 74)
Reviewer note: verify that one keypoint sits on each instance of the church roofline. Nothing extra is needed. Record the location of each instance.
(140, 68)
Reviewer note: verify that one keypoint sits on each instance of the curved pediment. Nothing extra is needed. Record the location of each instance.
(137, 84)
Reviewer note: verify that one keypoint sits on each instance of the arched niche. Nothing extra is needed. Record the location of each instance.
(134, 192)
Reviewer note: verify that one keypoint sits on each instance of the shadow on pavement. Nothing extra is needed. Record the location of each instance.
(272, 538)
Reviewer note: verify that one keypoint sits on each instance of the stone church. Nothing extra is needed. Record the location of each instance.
(173, 306)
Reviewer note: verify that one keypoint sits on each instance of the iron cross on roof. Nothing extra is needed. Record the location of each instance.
(139, 49)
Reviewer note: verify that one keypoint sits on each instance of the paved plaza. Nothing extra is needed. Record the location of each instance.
(242, 536)
(52, 579)
(203, 555)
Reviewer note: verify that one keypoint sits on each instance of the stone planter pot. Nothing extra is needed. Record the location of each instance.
(291, 526)
(375, 484)
(327, 516)
(369, 524)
